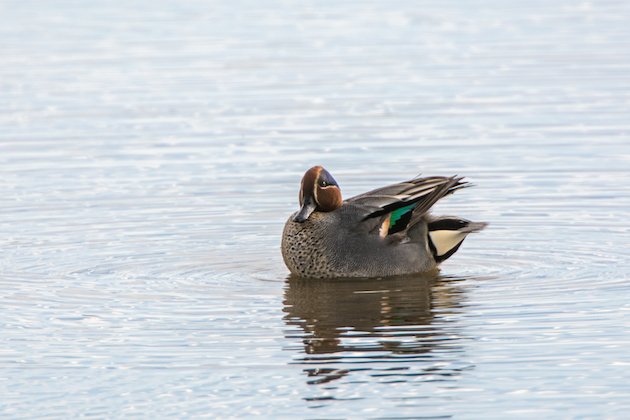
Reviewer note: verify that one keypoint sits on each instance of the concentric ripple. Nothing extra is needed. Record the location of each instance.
(150, 153)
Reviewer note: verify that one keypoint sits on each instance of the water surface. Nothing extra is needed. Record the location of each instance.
(150, 153)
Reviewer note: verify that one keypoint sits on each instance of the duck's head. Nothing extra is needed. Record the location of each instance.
(318, 191)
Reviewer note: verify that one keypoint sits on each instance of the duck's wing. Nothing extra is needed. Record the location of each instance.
(397, 207)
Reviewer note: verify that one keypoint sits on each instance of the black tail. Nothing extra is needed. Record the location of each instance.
(446, 234)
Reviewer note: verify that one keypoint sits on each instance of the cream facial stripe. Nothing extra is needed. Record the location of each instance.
(315, 186)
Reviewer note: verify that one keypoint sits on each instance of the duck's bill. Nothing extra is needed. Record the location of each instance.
(308, 207)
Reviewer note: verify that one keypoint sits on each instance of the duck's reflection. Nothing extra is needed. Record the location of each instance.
(348, 324)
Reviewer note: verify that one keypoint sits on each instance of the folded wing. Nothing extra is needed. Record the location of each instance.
(399, 206)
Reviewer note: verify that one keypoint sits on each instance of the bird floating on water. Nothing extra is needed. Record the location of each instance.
(384, 232)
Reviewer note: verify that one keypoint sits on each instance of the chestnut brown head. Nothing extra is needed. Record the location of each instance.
(318, 192)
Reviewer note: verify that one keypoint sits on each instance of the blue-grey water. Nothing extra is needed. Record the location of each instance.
(150, 152)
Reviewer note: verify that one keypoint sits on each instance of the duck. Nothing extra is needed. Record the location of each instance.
(381, 233)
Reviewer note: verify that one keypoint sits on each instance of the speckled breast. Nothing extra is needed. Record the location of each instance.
(304, 248)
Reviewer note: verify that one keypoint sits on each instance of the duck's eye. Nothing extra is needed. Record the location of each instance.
(323, 184)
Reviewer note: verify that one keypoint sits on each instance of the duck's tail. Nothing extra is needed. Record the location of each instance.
(447, 233)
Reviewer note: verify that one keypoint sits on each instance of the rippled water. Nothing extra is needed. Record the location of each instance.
(151, 151)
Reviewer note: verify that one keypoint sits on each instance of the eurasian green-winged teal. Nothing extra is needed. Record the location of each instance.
(384, 232)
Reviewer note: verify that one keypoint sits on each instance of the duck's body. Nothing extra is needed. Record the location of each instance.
(385, 232)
